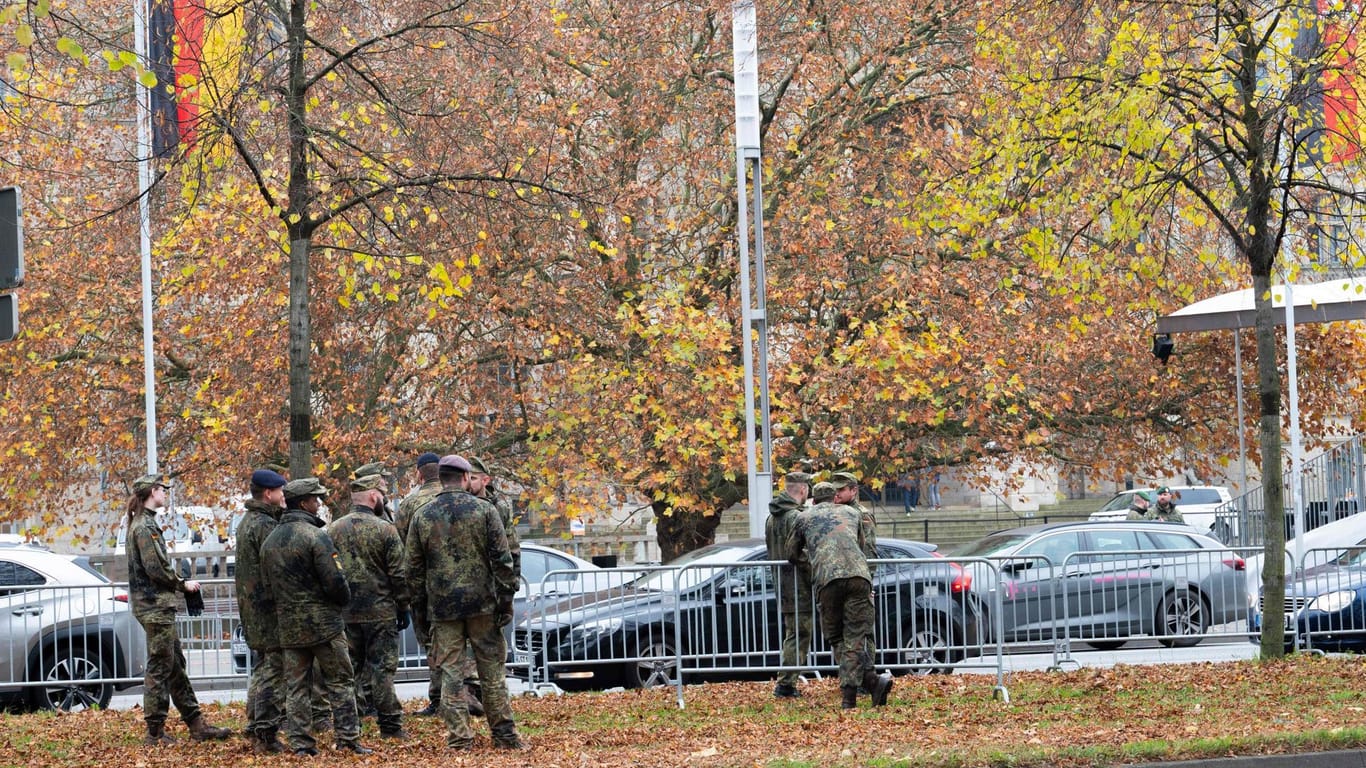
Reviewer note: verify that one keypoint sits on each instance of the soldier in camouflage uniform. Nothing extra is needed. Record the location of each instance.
(387, 480)
(256, 607)
(461, 573)
(372, 558)
(423, 495)
(303, 570)
(481, 485)
(832, 537)
(154, 592)
(846, 492)
(794, 584)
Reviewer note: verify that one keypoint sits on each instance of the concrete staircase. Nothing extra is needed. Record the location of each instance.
(949, 527)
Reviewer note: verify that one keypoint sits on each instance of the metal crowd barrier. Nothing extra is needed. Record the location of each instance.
(1325, 602)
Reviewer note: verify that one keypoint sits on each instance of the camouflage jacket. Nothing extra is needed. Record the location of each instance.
(303, 571)
(411, 503)
(459, 564)
(505, 513)
(1165, 512)
(794, 583)
(835, 541)
(153, 585)
(255, 603)
(868, 523)
(372, 558)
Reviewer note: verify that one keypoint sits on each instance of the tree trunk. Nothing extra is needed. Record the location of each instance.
(300, 234)
(680, 531)
(1273, 485)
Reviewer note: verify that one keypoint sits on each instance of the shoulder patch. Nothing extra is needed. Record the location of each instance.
(336, 560)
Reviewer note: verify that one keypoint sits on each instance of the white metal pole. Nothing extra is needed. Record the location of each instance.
(1291, 365)
(144, 157)
(754, 320)
(1242, 429)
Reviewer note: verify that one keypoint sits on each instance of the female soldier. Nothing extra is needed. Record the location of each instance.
(154, 590)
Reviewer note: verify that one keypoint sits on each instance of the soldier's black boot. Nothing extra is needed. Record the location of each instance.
(156, 734)
(786, 691)
(878, 686)
(849, 694)
(268, 742)
(354, 746)
(432, 709)
(200, 730)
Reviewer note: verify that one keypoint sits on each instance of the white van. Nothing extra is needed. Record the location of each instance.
(1196, 503)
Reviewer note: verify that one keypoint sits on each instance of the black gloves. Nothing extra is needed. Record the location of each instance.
(194, 603)
(402, 621)
(504, 615)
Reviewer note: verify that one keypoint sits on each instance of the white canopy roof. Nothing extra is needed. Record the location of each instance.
(1326, 302)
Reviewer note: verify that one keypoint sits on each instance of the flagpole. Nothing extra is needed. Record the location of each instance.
(144, 156)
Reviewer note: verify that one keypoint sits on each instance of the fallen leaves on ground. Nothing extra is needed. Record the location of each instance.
(1084, 717)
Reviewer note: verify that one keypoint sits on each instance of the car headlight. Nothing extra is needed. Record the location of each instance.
(593, 631)
(1332, 602)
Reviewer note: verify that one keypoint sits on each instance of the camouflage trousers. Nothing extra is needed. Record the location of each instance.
(847, 620)
(798, 626)
(485, 637)
(424, 639)
(266, 693)
(374, 657)
(166, 680)
(334, 667)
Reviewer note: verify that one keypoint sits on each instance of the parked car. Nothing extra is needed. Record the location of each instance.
(539, 570)
(726, 617)
(1196, 503)
(1105, 582)
(1325, 604)
(65, 624)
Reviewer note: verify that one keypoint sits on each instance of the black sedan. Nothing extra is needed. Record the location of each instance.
(1326, 605)
(718, 606)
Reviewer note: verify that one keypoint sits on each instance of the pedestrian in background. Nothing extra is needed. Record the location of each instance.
(154, 593)
(304, 571)
(256, 611)
(373, 561)
(932, 489)
(910, 490)
(429, 486)
(794, 582)
(461, 572)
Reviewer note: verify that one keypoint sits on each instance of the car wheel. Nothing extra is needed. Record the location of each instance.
(65, 673)
(1106, 645)
(657, 664)
(1181, 620)
(929, 644)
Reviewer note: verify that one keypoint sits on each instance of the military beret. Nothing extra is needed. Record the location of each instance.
(367, 483)
(843, 480)
(1164, 489)
(477, 465)
(373, 468)
(454, 463)
(427, 458)
(821, 491)
(150, 481)
(798, 477)
(304, 486)
(1145, 495)
(266, 478)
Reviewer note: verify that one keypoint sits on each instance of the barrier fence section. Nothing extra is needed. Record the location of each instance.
(723, 620)
(1325, 601)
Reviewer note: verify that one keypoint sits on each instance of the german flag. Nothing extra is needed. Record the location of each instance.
(195, 48)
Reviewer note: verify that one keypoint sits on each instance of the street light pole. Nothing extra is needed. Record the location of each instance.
(144, 157)
(754, 311)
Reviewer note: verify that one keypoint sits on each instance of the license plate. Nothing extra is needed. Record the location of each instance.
(521, 657)
(239, 648)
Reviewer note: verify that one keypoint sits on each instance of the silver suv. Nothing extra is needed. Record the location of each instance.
(65, 626)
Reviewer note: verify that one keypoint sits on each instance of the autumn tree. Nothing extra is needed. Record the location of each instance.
(1204, 117)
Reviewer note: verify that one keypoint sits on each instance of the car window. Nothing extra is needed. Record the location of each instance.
(1199, 496)
(536, 564)
(1112, 544)
(750, 579)
(1170, 540)
(1121, 501)
(15, 577)
(1054, 546)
